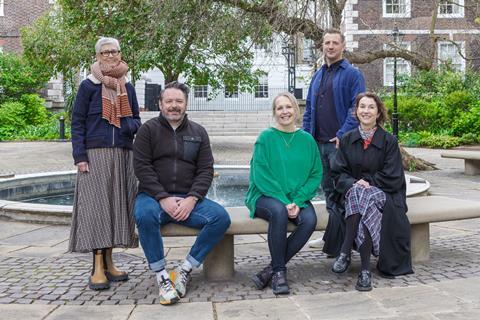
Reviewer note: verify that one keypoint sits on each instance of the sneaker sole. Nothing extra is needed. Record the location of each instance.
(281, 291)
(363, 288)
(258, 283)
(169, 302)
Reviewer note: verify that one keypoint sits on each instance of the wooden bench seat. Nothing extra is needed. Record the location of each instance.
(219, 264)
(472, 160)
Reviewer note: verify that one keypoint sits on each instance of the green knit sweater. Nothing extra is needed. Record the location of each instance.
(285, 166)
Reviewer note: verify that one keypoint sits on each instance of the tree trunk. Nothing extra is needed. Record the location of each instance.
(411, 163)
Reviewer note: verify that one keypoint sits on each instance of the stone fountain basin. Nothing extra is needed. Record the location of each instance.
(20, 187)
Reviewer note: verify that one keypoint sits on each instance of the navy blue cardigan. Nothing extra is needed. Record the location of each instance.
(90, 130)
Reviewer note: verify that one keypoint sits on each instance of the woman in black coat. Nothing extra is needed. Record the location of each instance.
(370, 184)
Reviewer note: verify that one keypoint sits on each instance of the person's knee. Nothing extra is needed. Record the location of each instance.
(310, 219)
(146, 214)
(222, 218)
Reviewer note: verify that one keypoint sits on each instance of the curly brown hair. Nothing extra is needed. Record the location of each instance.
(382, 110)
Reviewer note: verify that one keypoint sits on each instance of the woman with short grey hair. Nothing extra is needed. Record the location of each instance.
(105, 119)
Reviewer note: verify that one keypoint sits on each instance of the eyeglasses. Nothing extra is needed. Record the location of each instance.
(114, 53)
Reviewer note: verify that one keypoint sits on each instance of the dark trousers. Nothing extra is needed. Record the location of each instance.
(327, 155)
(283, 248)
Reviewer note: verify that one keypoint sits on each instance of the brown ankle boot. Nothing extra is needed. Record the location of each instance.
(112, 273)
(98, 280)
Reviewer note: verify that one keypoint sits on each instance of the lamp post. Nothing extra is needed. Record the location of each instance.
(395, 34)
(289, 52)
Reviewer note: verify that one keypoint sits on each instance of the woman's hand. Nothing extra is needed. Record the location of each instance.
(363, 183)
(293, 210)
(82, 166)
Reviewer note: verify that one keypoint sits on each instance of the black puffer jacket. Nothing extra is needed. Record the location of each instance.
(168, 161)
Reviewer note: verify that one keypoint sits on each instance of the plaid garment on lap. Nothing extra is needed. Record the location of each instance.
(368, 202)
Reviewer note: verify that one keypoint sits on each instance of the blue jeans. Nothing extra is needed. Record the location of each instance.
(282, 249)
(327, 155)
(208, 216)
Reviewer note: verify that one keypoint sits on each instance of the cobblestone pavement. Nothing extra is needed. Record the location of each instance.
(63, 280)
(35, 270)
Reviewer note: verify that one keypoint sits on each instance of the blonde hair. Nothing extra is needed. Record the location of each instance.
(292, 99)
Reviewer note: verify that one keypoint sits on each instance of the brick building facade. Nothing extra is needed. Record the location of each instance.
(369, 23)
(15, 14)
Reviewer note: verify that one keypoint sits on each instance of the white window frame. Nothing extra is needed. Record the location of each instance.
(389, 61)
(261, 89)
(461, 61)
(307, 54)
(2, 6)
(459, 4)
(200, 91)
(406, 14)
(234, 93)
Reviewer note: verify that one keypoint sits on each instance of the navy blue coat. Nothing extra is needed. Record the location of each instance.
(90, 130)
(348, 82)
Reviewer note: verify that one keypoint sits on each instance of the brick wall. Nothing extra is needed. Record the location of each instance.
(373, 32)
(17, 14)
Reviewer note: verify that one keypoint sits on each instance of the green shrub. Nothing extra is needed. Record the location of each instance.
(467, 122)
(17, 77)
(416, 114)
(45, 131)
(457, 102)
(35, 111)
(469, 138)
(440, 141)
(11, 119)
(433, 83)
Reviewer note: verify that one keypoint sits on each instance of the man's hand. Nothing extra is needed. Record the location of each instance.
(336, 140)
(170, 205)
(293, 210)
(185, 207)
(83, 166)
(363, 183)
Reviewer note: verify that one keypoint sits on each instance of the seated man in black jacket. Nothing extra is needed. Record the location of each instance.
(173, 162)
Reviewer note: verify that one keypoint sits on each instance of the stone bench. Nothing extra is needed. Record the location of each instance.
(472, 160)
(219, 264)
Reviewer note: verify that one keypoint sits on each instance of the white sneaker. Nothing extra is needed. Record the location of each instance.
(317, 243)
(168, 294)
(180, 279)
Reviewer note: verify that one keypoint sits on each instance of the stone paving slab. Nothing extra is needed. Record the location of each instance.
(22, 312)
(282, 308)
(47, 235)
(16, 228)
(91, 312)
(181, 311)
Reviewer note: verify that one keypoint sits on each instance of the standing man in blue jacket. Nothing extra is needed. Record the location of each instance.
(330, 101)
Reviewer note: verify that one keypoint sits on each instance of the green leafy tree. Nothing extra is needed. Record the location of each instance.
(17, 77)
(203, 41)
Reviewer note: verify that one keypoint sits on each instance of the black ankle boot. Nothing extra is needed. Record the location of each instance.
(279, 283)
(262, 278)
(364, 282)
(341, 263)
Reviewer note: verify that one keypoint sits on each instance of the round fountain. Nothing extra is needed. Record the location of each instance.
(47, 197)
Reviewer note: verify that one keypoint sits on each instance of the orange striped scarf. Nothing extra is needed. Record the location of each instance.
(114, 92)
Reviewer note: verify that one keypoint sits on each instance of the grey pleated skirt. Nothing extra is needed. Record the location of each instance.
(102, 214)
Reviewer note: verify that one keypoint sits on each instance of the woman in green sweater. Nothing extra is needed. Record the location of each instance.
(285, 172)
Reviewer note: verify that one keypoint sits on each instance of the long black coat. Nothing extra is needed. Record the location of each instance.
(381, 165)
